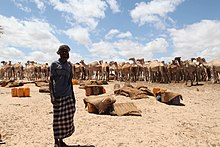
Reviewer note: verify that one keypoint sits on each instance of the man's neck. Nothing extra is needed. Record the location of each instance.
(62, 60)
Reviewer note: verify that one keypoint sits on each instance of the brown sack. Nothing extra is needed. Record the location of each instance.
(100, 105)
(158, 89)
(44, 89)
(167, 97)
(130, 91)
(125, 109)
(94, 90)
(40, 83)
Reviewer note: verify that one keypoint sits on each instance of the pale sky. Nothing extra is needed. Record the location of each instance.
(109, 29)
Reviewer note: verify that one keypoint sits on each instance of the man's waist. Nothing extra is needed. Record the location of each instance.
(63, 96)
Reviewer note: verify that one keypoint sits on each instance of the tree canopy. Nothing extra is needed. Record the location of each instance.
(1, 30)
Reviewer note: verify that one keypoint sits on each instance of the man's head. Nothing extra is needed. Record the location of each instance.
(63, 51)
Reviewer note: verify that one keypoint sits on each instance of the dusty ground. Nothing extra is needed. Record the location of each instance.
(27, 122)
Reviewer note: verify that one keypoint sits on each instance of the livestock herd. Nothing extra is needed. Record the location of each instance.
(31, 71)
(193, 70)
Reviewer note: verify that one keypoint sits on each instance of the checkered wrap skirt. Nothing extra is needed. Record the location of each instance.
(63, 114)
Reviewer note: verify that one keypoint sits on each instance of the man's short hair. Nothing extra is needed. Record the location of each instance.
(63, 47)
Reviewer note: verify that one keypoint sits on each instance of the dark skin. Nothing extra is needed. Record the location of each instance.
(64, 56)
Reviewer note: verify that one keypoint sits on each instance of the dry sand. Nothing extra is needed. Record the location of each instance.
(27, 122)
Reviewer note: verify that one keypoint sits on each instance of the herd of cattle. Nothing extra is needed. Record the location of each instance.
(193, 70)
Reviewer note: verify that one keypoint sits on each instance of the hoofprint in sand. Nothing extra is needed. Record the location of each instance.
(27, 122)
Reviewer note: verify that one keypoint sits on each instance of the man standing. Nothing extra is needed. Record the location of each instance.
(62, 96)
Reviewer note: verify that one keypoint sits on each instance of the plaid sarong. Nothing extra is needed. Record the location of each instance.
(63, 114)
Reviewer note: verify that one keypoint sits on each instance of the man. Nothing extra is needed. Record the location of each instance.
(62, 97)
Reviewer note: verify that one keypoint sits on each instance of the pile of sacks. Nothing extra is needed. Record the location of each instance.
(137, 92)
(107, 105)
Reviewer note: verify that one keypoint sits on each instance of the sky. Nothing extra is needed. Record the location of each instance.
(109, 29)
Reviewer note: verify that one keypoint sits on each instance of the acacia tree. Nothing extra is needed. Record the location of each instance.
(1, 30)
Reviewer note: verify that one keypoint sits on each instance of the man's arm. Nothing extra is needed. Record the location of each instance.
(73, 96)
(71, 77)
(51, 90)
(53, 100)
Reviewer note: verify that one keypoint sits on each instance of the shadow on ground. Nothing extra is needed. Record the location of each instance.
(180, 104)
(80, 146)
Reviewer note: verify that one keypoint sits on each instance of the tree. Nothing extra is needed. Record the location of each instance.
(1, 30)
